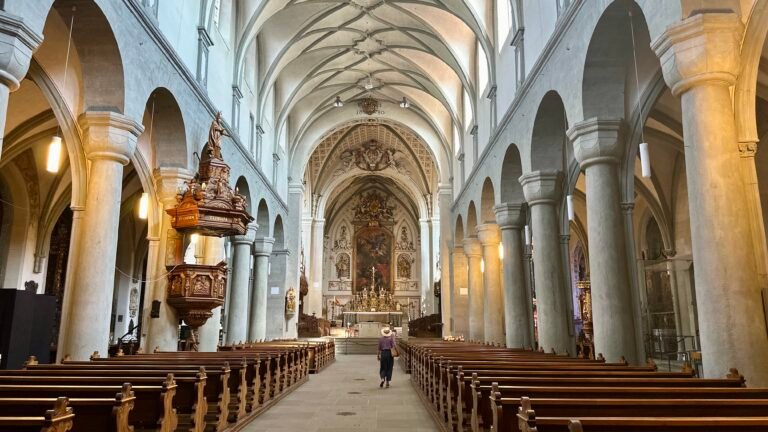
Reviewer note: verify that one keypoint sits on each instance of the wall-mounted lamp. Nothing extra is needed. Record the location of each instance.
(645, 160)
(569, 205)
(144, 206)
(54, 155)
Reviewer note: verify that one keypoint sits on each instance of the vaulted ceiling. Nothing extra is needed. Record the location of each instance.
(309, 52)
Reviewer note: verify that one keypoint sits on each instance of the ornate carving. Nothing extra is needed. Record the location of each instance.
(195, 290)
(747, 149)
(374, 207)
(290, 301)
(370, 157)
(30, 286)
(342, 242)
(405, 242)
(209, 206)
(133, 302)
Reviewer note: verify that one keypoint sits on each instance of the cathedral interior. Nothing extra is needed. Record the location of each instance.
(493, 181)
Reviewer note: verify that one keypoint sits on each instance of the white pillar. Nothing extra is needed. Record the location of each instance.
(460, 306)
(598, 146)
(294, 241)
(210, 331)
(516, 316)
(700, 61)
(163, 332)
(237, 319)
(473, 250)
(262, 250)
(434, 235)
(427, 296)
(109, 141)
(17, 43)
(493, 316)
(78, 214)
(542, 189)
(445, 247)
(314, 299)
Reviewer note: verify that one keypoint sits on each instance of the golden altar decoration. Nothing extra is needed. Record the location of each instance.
(585, 343)
(208, 206)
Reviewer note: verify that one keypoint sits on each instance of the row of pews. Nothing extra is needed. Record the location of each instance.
(162, 391)
(475, 387)
(322, 352)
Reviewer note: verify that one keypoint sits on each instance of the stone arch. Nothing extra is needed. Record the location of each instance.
(511, 169)
(241, 185)
(100, 59)
(458, 236)
(278, 233)
(609, 71)
(471, 220)
(487, 201)
(262, 219)
(165, 131)
(548, 142)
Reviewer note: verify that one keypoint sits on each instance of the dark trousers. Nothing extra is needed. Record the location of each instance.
(386, 364)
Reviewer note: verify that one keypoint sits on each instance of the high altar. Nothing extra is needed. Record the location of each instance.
(373, 304)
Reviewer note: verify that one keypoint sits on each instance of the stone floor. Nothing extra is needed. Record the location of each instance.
(346, 397)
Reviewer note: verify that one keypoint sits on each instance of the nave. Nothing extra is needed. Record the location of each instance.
(345, 397)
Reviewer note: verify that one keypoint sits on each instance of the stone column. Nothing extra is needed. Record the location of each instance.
(445, 246)
(237, 319)
(163, 332)
(493, 316)
(74, 238)
(213, 253)
(17, 43)
(473, 250)
(314, 298)
(427, 297)
(598, 146)
(516, 317)
(700, 61)
(542, 189)
(257, 328)
(109, 140)
(460, 309)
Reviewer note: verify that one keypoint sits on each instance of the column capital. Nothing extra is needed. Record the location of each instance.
(17, 43)
(473, 247)
(704, 48)
(109, 135)
(541, 187)
(318, 222)
(295, 187)
(458, 250)
(509, 216)
(565, 238)
(627, 207)
(248, 237)
(168, 180)
(488, 234)
(597, 141)
(263, 246)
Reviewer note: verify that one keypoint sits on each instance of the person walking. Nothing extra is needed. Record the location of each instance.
(386, 355)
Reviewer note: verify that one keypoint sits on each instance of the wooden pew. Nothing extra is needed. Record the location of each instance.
(59, 418)
(638, 415)
(101, 408)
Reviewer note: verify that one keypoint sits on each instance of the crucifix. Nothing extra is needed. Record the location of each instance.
(373, 278)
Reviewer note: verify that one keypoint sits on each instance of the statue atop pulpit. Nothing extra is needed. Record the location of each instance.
(215, 133)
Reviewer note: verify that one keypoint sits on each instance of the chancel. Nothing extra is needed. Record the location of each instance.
(548, 215)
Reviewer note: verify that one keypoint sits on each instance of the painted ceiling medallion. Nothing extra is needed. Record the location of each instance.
(369, 105)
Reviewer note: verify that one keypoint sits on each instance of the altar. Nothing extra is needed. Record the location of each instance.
(353, 318)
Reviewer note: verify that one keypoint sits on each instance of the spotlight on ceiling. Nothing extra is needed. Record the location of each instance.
(54, 155)
(404, 103)
(338, 103)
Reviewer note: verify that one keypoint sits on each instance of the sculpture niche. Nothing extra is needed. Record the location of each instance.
(207, 207)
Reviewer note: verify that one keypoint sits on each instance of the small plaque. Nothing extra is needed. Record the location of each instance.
(275, 291)
(464, 291)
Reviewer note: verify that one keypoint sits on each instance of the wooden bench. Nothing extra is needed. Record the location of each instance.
(44, 416)
(101, 408)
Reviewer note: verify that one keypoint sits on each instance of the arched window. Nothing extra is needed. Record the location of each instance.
(504, 22)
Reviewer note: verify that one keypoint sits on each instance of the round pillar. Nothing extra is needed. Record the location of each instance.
(257, 328)
(473, 250)
(237, 319)
(493, 316)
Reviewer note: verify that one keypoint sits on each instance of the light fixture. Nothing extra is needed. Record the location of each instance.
(501, 251)
(194, 238)
(482, 265)
(54, 155)
(527, 235)
(338, 103)
(404, 103)
(645, 160)
(569, 205)
(144, 206)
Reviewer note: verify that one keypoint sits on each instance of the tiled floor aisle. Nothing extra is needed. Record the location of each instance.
(346, 397)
